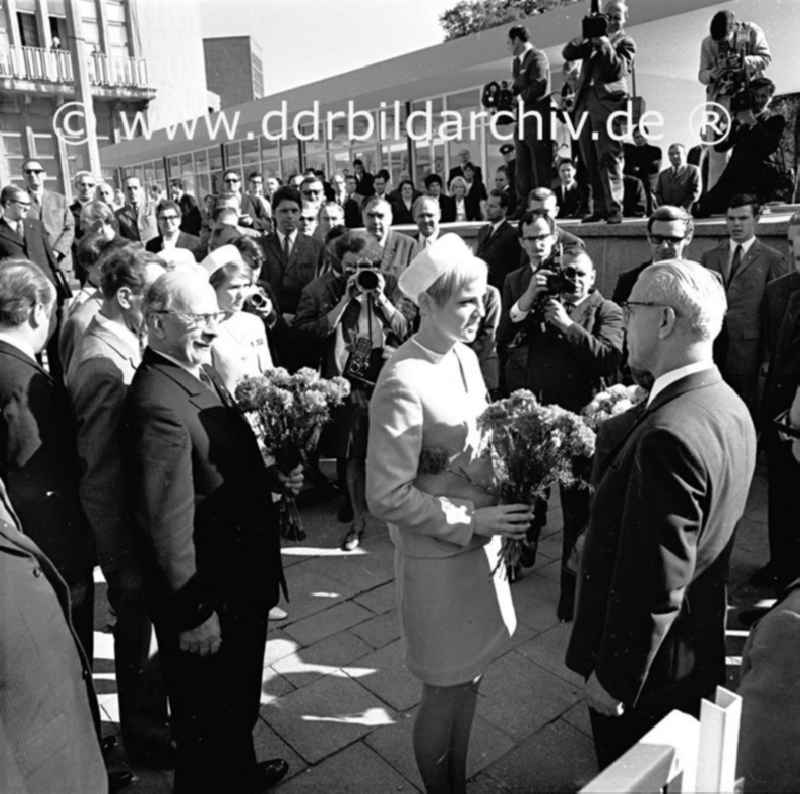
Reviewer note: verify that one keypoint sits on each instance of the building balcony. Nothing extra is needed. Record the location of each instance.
(50, 71)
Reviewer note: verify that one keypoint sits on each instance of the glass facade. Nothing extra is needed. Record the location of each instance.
(457, 122)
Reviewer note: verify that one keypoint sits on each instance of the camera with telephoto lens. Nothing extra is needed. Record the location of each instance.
(563, 281)
(258, 299)
(367, 275)
(595, 24)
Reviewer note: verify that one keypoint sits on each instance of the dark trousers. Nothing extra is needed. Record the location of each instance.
(140, 684)
(603, 157)
(575, 509)
(534, 160)
(783, 476)
(614, 736)
(214, 703)
(81, 596)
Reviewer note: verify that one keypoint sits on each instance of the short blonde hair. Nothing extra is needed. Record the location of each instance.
(455, 278)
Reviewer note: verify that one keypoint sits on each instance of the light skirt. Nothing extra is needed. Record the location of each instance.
(456, 616)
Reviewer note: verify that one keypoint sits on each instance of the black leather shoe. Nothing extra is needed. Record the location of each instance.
(352, 540)
(595, 217)
(152, 754)
(268, 773)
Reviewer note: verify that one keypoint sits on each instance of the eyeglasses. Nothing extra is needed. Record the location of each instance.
(193, 320)
(627, 307)
(231, 179)
(660, 239)
(312, 192)
(168, 217)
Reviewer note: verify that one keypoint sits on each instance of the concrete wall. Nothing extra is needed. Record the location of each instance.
(229, 70)
(171, 40)
(615, 249)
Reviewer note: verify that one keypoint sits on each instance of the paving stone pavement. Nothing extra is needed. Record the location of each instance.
(338, 704)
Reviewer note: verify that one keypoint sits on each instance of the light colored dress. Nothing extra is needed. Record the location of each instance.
(240, 348)
(456, 615)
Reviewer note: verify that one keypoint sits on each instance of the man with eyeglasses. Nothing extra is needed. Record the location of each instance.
(137, 219)
(168, 216)
(669, 232)
(24, 237)
(200, 498)
(671, 479)
(566, 342)
(251, 214)
(397, 249)
(52, 210)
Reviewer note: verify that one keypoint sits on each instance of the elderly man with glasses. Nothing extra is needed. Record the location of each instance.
(670, 479)
(200, 494)
(252, 214)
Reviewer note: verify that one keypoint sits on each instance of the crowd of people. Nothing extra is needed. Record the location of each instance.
(125, 330)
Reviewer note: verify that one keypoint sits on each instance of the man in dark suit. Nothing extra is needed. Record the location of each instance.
(543, 200)
(502, 184)
(200, 496)
(352, 204)
(38, 459)
(48, 709)
(498, 242)
(433, 187)
(465, 158)
(137, 219)
(574, 200)
(602, 89)
(574, 347)
(85, 185)
(531, 86)
(669, 232)
(290, 258)
(24, 237)
(782, 337)
(51, 209)
(168, 217)
(508, 152)
(363, 178)
(671, 479)
(643, 160)
(680, 185)
(746, 265)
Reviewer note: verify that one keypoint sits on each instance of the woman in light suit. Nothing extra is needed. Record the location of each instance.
(456, 615)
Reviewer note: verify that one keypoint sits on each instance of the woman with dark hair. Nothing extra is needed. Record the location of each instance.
(401, 208)
(191, 217)
(476, 194)
(347, 315)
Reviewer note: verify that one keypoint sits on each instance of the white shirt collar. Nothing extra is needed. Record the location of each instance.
(521, 57)
(292, 237)
(496, 226)
(664, 380)
(745, 246)
(18, 344)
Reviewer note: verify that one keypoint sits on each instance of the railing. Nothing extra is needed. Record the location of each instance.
(55, 66)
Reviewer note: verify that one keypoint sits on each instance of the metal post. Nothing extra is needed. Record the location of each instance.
(83, 89)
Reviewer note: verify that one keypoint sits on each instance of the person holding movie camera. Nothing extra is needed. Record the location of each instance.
(730, 57)
(349, 315)
(572, 340)
(607, 54)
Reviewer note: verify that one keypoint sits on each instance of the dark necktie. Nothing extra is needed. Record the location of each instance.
(287, 248)
(21, 231)
(735, 262)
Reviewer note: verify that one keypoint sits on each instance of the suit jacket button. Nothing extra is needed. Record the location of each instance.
(37, 571)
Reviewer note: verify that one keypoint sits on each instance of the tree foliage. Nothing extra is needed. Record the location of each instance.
(470, 16)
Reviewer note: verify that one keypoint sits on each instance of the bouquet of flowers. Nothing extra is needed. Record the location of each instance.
(612, 401)
(287, 414)
(532, 447)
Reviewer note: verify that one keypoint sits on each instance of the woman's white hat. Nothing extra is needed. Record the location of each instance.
(220, 257)
(446, 253)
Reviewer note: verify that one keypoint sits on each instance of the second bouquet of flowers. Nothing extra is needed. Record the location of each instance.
(287, 414)
(532, 447)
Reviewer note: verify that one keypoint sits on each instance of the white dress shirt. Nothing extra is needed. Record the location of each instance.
(746, 246)
(292, 239)
(663, 380)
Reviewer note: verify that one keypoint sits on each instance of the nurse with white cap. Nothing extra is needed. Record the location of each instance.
(426, 479)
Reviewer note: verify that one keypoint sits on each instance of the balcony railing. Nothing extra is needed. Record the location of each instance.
(55, 66)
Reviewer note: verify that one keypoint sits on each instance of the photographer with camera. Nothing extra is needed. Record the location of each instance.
(730, 57)
(607, 54)
(348, 315)
(573, 338)
(755, 137)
